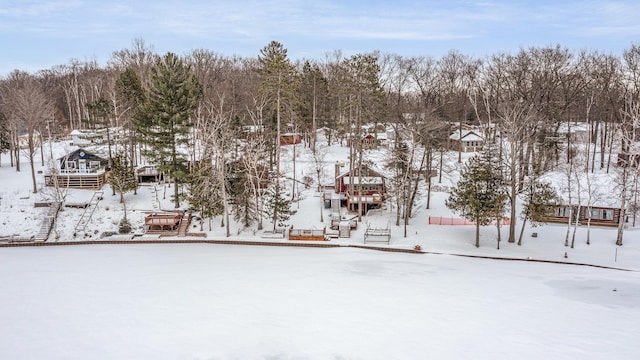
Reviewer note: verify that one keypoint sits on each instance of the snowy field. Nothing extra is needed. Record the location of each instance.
(238, 302)
(201, 302)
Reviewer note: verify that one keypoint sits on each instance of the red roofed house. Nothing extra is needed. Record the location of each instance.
(368, 189)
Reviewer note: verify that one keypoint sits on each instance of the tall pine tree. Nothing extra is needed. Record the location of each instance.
(130, 95)
(164, 120)
(278, 84)
(313, 100)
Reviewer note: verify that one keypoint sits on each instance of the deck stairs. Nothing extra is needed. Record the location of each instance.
(184, 224)
(47, 223)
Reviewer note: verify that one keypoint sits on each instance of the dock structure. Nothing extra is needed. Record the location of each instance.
(168, 224)
(307, 234)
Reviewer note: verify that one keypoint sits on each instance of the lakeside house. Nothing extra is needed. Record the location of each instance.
(79, 169)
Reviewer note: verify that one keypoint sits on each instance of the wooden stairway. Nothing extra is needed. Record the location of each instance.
(184, 224)
(47, 222)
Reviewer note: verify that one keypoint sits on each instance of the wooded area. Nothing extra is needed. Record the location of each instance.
(202, 102)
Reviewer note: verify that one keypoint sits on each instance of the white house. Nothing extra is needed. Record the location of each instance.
(23, 140)
(466, 141)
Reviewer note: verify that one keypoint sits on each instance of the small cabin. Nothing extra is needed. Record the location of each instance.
(595, 215)
(79, 169)
(23, 140)
(367, 141)
(466, 141)
(149, 174)
(575, 132)
(251, 131)
(82, 161)
(290, 138)
(382, 139)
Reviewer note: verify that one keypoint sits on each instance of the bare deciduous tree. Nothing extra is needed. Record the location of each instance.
(27, 108)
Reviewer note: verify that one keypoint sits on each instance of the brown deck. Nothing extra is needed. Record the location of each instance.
(307, 234)
(85, 181)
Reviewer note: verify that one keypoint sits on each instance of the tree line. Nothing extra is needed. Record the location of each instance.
(189, 114)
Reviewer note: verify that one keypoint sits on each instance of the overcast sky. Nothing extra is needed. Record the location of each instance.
(37, 35)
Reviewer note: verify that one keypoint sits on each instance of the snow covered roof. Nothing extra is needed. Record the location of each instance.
(92, 132)
(597, 191)
(368, 180)
(574, 127)
(467, 135)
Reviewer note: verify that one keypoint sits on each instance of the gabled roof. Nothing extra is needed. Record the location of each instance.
(366, 171)
(82, 154)
(467, 135)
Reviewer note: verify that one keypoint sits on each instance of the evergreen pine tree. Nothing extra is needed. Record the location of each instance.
(478, 194)
(490, 156)
(277, 207)
(240, 193)
(4, 134)
(130, 95)
(164, 120)
(278, 84)
(313, 99)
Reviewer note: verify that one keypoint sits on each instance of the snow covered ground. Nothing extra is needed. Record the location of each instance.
(190, 301)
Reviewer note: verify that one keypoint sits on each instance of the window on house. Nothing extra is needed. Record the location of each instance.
(70, 165)
(595, 214)
(607, 214)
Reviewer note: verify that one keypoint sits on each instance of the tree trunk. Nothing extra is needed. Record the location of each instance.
(589, 228)
(277, 144)
(514, 192)
(575, 227)
(499, 228)
(440, 166)
(566, 237)
(524, 222)
(31, 165)
(416, 183)
(603, 141)
(623, 203)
